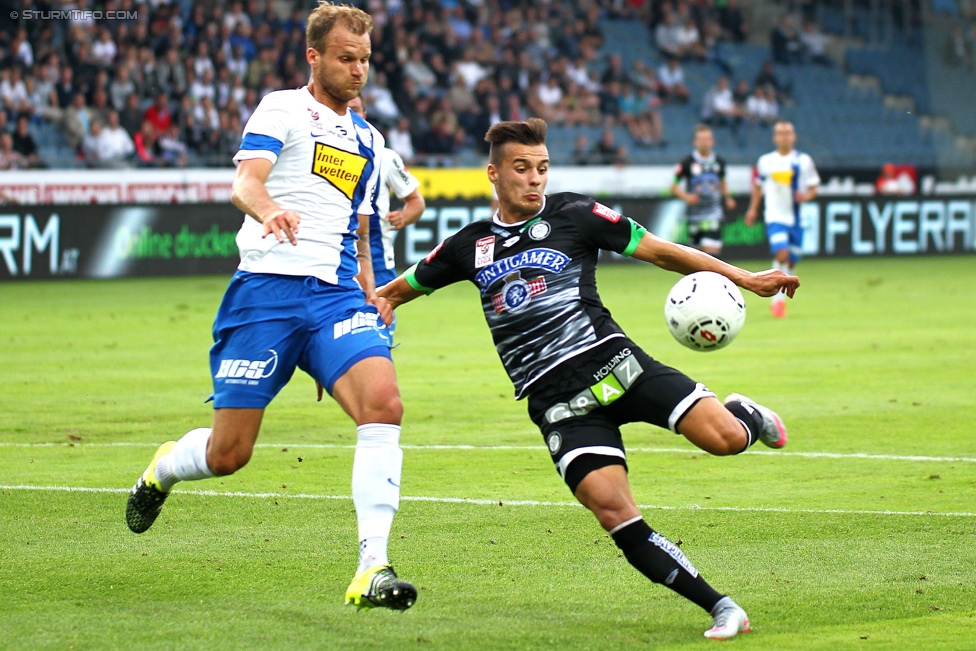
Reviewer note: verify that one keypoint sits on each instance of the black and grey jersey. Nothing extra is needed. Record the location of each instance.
(702, 176)
(538, 288)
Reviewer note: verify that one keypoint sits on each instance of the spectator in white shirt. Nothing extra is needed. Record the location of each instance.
(671, 79)
(689, 40)
(667, 36)
(400, 140)
(760, 108)
(206, 114)
(471, 70)
(377, 95)
(719, 107)
(13, 92)
(104, 49)
(815, 44)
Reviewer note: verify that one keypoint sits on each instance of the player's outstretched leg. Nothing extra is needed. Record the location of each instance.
(729, 620)
(147, 496)
(379, 586)
(774, 431)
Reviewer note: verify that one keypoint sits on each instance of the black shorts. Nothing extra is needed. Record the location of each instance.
(582, 430)
(706, 232)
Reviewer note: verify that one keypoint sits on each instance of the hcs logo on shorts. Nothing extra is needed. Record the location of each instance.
(237, 371)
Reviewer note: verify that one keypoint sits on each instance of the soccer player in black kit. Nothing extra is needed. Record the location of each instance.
(706, 192)
(534, 263)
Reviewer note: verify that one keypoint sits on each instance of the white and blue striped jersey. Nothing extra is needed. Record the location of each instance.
(325, 167)
(394, 179)
(780, 178)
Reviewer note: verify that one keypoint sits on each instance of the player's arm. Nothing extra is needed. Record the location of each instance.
(399, 292)
(685, 260)
(809, 195)
(678, 191)
(249, 195)
(365, 277)
(753, 212)
(413, 207)
(723, 187)
(688, 197)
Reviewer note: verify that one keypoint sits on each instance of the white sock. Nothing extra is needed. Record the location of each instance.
(372, 551)
(186, 461)
(785, 268)
(376, 489)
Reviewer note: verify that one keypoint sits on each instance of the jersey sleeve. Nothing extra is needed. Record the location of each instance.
(810, 177)
(401, 182)
(440, 268)
(682, 171)
(266, 130)
(606, 228)
(721, 167)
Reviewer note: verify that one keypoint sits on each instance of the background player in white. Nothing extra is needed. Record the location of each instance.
(395, 179)
(305, 298)
(785, 178)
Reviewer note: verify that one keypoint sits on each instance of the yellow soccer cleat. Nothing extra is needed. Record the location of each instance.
(379, 586)
(147, 497)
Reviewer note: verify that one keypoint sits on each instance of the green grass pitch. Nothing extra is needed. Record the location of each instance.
(859, 535)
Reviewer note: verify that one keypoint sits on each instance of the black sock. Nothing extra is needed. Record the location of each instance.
(749, 417)
(662, 562)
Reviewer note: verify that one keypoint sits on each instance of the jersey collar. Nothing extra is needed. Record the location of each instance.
(498, 222)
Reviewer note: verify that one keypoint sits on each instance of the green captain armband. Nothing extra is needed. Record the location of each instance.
(410, 275)
(636, 233)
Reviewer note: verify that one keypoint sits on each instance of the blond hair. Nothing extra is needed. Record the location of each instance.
(327, 15)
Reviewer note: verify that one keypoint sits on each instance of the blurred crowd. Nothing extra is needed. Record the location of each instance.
(172, 84)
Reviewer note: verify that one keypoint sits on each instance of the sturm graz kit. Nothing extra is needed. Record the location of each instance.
(557, 341)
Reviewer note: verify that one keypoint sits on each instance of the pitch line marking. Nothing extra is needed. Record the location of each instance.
(337, 446)
(486, 502)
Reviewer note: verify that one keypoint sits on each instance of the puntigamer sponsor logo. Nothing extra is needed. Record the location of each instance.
(547, 259)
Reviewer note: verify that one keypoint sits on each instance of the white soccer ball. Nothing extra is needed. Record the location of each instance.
(705, 311)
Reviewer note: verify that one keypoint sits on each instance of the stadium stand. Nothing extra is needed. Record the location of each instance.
(898, 88)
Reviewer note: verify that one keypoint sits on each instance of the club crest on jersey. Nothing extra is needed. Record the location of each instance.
(606, 212)
(484, 252)
(546, 259)
(540, 230)
(342, 169)
(516, 293)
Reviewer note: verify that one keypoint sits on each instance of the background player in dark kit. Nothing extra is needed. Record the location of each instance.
(534, 263)
(706, 192)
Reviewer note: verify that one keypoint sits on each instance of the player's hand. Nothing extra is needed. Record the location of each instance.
(751, 216)
(767, 283)
(383, 307)
(395, 217)
(691, 199)
(730, 203)
(283, 224)
(802, 197)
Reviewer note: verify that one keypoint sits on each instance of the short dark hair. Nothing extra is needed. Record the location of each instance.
(327, 15)
(529, 132)
(701, 126)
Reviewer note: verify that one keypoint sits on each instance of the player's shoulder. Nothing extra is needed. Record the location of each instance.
(568, 203)
(288, 98)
